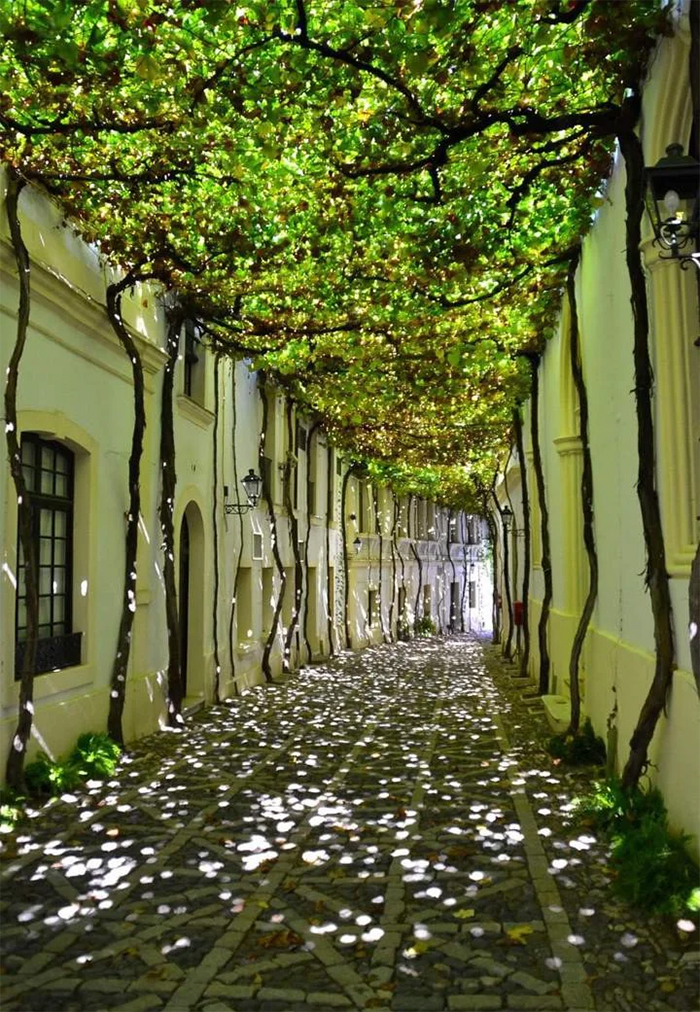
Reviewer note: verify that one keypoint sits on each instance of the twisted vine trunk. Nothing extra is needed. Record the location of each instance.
(121, 660)
(513, 552)
(329, 514)
(18, 748)
(392, 606)
(694, 617)
(236, 577)
(694, 586)
(656, 577)
(525, 656)
(544, 518)
(420, 566)
(586, 502)
(465, 570)
(294, 537)
(346, 567)
(272, 518)
(453, 617)
(215, 528)
(168, 475)
(307, 537)
(403, 617)
(496, 611)
(378, 529)
(508, 645)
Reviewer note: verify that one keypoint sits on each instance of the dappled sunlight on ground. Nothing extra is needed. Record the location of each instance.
(359, 836)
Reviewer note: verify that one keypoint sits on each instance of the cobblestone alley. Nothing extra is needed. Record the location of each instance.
(384, 832)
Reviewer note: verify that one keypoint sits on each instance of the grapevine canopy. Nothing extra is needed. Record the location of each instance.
(375, 201)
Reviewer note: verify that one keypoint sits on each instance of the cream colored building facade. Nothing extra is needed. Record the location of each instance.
(75, 417)
(618, 660)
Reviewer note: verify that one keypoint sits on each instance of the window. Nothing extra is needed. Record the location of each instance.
(48, 472)
(257, 545)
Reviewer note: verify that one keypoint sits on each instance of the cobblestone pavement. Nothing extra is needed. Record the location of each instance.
(362, 836)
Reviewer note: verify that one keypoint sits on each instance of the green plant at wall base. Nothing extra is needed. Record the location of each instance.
(582, 749)
(652, 868)
(95, 756)
(424, 627)
(47, 776)
(11, 809)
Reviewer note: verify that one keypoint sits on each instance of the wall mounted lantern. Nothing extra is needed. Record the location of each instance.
(506, 516)
(673, 205)
(357, 545)
(252, 484)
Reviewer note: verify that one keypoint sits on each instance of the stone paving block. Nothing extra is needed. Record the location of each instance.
(474, 1002)
(105, 985)
(61, 942)
(327, 999)
(490, 927)
(385, 951)
(539, 1003)
(154, 984)
(66, 984)
(418, 1003)
(444, 927)
(217, 1006)
(231, 939)
(290, 994)
(215, 959)
(577, 997)
(491, 967)
(35, 964)
(344, 975)
(236, 991)
(140, 1004)
(149, 955)
(456, 951)
(380, 975)
(531, 983)
(361, 994)
(572, 972)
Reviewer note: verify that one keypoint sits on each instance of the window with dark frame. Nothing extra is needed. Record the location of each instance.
(48, 469)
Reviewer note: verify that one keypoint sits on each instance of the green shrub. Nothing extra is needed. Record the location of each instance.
(582, 749)
(652, 868)
(11, 809)
(424, 626)
(45, 776)
(95, 756)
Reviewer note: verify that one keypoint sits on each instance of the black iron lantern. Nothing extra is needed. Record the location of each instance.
(673, 204)
(357, 545)
(252, 484)
(506, 516)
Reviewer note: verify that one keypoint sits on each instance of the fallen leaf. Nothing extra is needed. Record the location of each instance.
(464, 913)
(518, 934)
(285, 939)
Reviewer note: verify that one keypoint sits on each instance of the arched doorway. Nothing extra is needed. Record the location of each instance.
(191, 601)
(184, 598)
